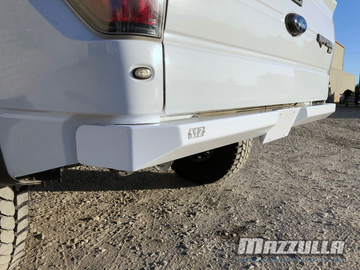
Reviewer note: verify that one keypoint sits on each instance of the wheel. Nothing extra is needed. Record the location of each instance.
(211, 166)
(14, 220)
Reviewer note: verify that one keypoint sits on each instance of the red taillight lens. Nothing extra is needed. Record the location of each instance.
(142, 17)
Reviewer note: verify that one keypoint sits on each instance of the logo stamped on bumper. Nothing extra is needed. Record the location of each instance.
(196, 132)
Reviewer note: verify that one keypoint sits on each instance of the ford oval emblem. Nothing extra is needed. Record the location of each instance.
(295, 24)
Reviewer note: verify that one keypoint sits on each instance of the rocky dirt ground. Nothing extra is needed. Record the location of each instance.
(303, 187)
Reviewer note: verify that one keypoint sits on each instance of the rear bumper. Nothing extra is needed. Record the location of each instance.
(134, 147)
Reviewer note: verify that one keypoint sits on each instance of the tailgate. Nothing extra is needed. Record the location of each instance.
(238, 53)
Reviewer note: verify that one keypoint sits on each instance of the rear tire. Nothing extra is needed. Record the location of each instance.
(14, 220)
(211, 166)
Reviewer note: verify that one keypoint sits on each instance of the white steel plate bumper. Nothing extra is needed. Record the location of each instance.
(134, 147)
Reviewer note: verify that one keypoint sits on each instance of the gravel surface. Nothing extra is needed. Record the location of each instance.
(303, 187)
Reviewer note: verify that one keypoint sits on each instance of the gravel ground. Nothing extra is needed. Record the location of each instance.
(303, 187)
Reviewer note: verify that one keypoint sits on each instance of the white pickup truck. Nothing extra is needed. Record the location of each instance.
(130, 84)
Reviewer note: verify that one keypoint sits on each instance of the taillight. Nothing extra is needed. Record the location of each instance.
(141, 17)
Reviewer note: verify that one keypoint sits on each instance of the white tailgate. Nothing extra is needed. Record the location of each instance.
(238, 53)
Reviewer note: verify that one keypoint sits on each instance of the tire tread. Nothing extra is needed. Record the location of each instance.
(14, 214)
(227, 162)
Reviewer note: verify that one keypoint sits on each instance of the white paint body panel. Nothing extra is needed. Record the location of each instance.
(238, 54)
(132, 148)
(51, 62)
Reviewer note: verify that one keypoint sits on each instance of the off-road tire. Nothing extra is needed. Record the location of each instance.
(222, 163)
(14, 220)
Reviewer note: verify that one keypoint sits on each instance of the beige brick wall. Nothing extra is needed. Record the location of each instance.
(339, 52)
(341, 81)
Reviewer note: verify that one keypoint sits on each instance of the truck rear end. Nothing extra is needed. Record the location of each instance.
(70, 65)
(130, 84)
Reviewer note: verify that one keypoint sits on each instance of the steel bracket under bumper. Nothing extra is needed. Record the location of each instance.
(134, 147)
